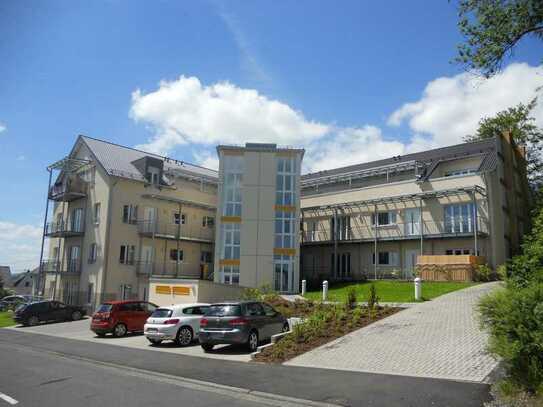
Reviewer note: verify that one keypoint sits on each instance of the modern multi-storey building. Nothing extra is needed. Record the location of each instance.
(120, 216)
(372, 220)
(257, 219)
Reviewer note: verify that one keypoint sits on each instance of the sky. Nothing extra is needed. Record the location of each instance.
(349, 81)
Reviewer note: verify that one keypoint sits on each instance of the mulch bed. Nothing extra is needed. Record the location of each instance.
(333, 330)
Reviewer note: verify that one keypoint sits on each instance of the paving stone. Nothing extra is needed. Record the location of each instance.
(439, 339)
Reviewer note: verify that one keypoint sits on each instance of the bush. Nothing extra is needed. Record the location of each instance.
(351, 300)
(373, 299)
(514, 319)
(483, 273)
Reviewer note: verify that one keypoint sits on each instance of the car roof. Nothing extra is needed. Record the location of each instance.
(177, 306)
(122, 302)
(236, 302)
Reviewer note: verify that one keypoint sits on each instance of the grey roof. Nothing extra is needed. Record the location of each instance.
(117, 161)
(487, 146)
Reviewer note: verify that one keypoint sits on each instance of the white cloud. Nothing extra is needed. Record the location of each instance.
(3, 127)
(451, 107)
(19, 245)
(186, 112)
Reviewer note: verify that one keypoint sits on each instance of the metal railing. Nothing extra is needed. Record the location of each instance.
(398, 231)
(63, 229)
(71, 188)
(174, 231)
(367, 271)
(72, 266)
(173, 269)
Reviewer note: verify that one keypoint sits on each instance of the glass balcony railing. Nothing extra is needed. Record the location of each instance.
(64, 229)
(68, 190)
(173, 269)
(55, 266)
(174, 231)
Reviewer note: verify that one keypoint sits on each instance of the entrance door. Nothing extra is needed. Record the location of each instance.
(73, 263)
(149, 217)
(284, 274)
(412, 221)
(410, 263)
(77, 220)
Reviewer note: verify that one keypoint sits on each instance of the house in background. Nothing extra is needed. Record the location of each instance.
(25, 283)
(5, 276)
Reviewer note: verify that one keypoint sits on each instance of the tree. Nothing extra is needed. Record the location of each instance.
(493, 28)
(520, 123)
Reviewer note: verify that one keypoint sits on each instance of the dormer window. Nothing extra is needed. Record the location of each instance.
(153, 175)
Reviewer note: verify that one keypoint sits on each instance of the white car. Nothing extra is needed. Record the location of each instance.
(179, 323)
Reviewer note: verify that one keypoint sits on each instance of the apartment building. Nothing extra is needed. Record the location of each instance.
(117, 217)
(258, 216)
(372, 220)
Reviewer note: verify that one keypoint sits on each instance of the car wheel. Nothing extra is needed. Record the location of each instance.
(252, 342)
(286, 328)
(76, 316)
(119, 330)
(207, 347)
(184, 336)
(32, 321)
(154, 341)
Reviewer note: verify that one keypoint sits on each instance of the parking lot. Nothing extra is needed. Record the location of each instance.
(80, 330)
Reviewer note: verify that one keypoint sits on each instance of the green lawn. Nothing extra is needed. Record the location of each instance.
(6, 320)
(390, 291)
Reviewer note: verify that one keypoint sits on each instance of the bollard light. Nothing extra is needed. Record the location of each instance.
(418, 289)
(304, 287)
(324, 290)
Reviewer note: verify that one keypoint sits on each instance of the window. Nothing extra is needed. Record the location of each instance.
(231, 239)
(176, 255)
(384, 218)
(230, 274)
(130, 213)
(283, 273)
(153, 175)
(208, 221)
(90, 293)
(125, 292)
(233, 178)
(285, 181)
(284, 229)
(179, 219)
(268, 310)
(387, 258)
(127, 254)
(96, 213)
(93, 252)
(206, 257)
(77, 220)
(457, 252)
(460, 172)
(254, 309)
(459, 218)
(343, 230)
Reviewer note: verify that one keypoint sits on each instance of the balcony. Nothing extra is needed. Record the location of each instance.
(63, 229)
(397, 231)
(171, 269)
(72, 266)
(162, 230)
(68, 190)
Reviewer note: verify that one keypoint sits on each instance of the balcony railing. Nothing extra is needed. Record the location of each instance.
(398, 231)
(174, 270)
(63, 229)
(166, 230)
(69, 190)
(71, 266)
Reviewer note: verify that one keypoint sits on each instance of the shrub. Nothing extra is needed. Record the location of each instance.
(483, 273)
(373, 299)
(351, 300)
(357, 315)
(514, 319)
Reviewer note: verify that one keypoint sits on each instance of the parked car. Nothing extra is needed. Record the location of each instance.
(121, 317)
(13, 301)
(43, 311)
(246, 322)
(178, 323)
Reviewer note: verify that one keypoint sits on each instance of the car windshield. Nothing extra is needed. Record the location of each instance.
(224, 310)
(104, 308)
(162, 313)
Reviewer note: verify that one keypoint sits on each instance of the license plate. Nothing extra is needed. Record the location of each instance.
(152, 330)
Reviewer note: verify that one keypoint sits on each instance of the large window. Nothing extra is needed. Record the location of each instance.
(343, 229)
(384, 218)
(286, 178)
(284, 229)
(231, 240)
(459, 218)
(96, 213)
(465, 171)
(387, 258)
(283, 273)
(230, 274)
(127, 254)
(176, 255)
(233, 178)
(130, 213)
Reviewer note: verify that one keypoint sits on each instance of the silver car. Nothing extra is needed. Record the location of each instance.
(246, 322)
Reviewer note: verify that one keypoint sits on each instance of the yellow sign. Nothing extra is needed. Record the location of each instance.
(163, 289)
(181, 290)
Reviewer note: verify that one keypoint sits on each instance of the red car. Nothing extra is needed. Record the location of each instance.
(120, 317)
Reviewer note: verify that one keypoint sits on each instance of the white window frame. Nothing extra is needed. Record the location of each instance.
(285, 226)
(129, 254)
(286, 181)
(233, 181)
(230, 275)
(93, 253)
(179, 255)
(231, 241)
(459, 217)
(131, 212)
(177, 217)
(96, 213)
(154, 175)
(284, 266)
(457, 173)
(393, 258)
(391, 215)
(208, 221)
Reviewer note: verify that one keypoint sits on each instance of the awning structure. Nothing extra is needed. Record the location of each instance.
(180, 201)
(68, 164)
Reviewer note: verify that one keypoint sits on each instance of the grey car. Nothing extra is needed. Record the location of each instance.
(245, 322)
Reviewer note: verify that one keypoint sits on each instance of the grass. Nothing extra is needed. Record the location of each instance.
(6, 320)
(390, 291)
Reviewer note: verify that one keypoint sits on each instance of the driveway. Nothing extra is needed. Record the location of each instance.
(435, 339)
(80, 330)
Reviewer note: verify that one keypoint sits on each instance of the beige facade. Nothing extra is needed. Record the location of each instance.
(455, 200)
(122, 229)
(259, 207)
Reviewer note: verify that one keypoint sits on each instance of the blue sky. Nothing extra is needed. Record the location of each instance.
(372, 78)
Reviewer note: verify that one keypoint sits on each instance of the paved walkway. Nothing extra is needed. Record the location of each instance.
(438, 339)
